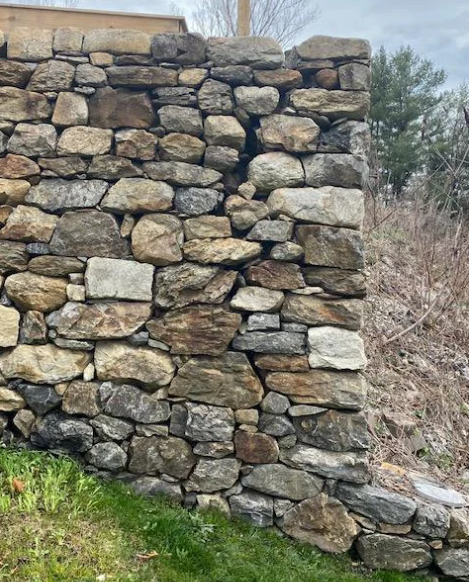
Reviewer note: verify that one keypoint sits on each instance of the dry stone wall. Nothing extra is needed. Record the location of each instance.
(181, 278)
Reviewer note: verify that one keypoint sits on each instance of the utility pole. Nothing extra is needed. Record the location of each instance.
(244, 17)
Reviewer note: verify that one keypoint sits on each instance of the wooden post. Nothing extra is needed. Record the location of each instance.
(244, 17)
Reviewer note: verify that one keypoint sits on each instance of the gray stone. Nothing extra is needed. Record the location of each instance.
(313, 311)
(280, 342)
(19, 105)
(90, 76)
(181, 120)
(287, 251)
(354, 77)
(33, 140)
(137, 77)
(14, 73)
(53, 75)
(275, 425)
(68, 40)
(209, 423)
(221, 158)
(108, 456)
(169, 455)
(245, 213)
(66, 167)
(117, 42)
(182, 173)
(41, 399)
(215, 98)
(271, 231)
(196, 201)
(254, 507)
(180, 96)
(29, 44)
(305, 410)
(129, 402)
(108, 167)
(376, 503)
(353, 105)
(232, 74)
(438, 493)
(453, 562)
(380, 551)
(257, 52)
(326, 246)
(61, 195)
(224, 130)
(334, 48)
(257, 101)
(339, 349)
(184, 48)
(263, 322)
(275, 170)
(281, 481)
(117, 279)
(13, 256)
(155, 486)
(329, 205)
(217, 450)
(57, 431)
(348, 466)
(274, 403)
(213, 475)
(352, 137)
(109, 428)
(432, 521)
(344, 170)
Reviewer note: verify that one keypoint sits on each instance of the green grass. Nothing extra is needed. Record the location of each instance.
(68, 527)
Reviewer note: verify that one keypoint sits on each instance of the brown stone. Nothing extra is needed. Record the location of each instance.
(20, 105)
(36, 292)
(206, 330)
(327, 246)
(256, 447)
(333, 104)
(136, 143)
(54, 75)
(111, 108)
(14, 74)
(136, 77)
(101, 320)
(321, 521)
(43, 364)
(312, 310)
(276, 275)
(70, 109)
(336, 281)
(13, 166)
(13, 192)
(282, 363)
(342, 390)
(157, 239)
(13, 256)
(5, 212)
(55, 266)
(138, 195)
(81, 398)
(155, 455)
(29, 224)
(66, 167)
(227, 380)
(327, 78)
(282, 79)
(227, 251)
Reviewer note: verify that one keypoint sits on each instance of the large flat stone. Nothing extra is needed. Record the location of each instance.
(227, 380)
(120, 362)
(380, 551)
(20, 105)
(257, 299)
(117, 279)
(213, 475)
(101, 320)
(276, 275)
(453, 562)
(281, 481)
(271, 342)
(334, 48)
(155, 455)
(84, 141)
(60, 195)
(117, 42)
(326, 246)
(129, 402)
(43, 364)
(344, 390)
(111, 108)
(227, 251)
(182, 173)
(136, 77)
(29, 291)
(314, 311)
(29, 224)
(206, 330)
(33, 140)
(257, 52)
(29, 44)
(275, 170)
(292, 134)
(329, 205)
(332, 347)
(345, 466)
(353, 105)
(344, 170)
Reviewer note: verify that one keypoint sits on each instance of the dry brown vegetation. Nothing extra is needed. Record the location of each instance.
(417, 337)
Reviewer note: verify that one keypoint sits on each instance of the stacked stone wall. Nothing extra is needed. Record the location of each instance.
(181, 279)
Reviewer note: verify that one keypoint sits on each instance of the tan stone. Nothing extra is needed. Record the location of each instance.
(327, 78)
(227, 380)
(282, 79)
(13, 192)
(289, 133)
(29, 44)
(136, 143)
(10, 326)
(70, 109)
(13, 166)
(43, 364)
(5, 212)
(333, 104)
(120, 362)
(313, 310)
(203, 329)
(137, 195)
(117, 42)
(192, 77)
(85, 141)
(157, 239)
(55, 266)
(245, 213)
(321, 521)
(256, 447)
(282, 363)
(100, 59)
(207, 227)
(227, 251)
(101, 320)
(181, 147)
(276, 275)
(68, 40)
(344, 390)
(20, 105)
(36, 292)
(10, 400)
(29, 224)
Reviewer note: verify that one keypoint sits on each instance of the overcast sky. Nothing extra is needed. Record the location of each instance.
(436, 29)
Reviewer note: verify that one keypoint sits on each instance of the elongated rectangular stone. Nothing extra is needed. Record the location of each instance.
(118, 279)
